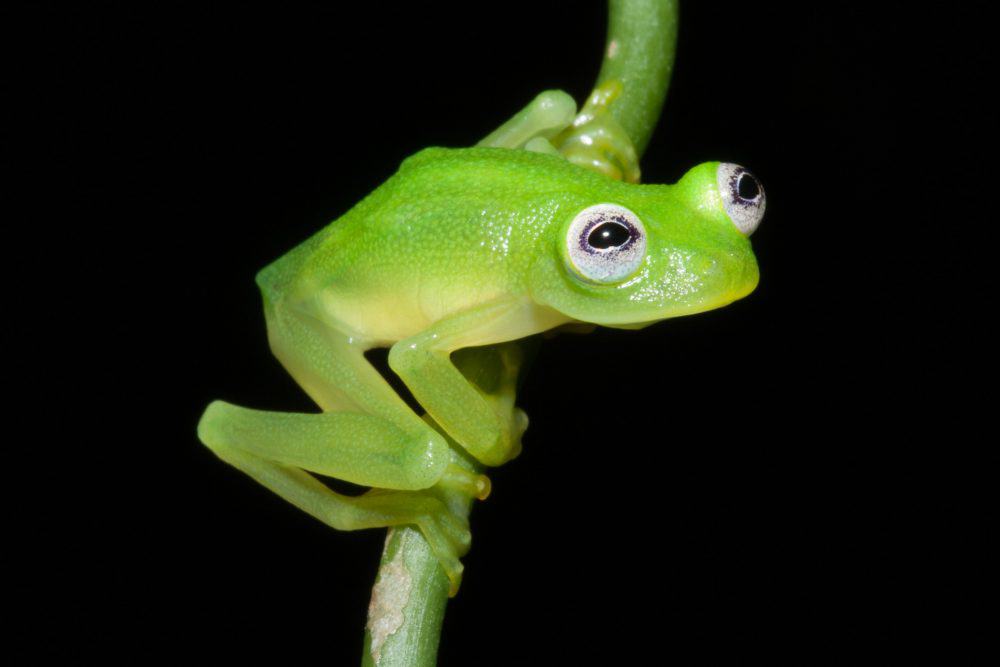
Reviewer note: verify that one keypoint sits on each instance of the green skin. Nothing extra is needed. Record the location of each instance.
(460, 248)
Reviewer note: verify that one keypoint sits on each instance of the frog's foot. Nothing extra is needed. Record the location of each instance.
(280, 450)
(513, 422)
(596, 140)
(446, 533)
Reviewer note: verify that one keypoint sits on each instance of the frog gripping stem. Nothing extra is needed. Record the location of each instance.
(623, 110)
(462, 362)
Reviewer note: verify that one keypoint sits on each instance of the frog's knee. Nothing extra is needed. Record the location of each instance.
(424, 459)
(211, 430)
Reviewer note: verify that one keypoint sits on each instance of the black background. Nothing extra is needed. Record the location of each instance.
(785, 480)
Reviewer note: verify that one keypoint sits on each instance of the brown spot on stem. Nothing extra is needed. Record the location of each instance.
(389, 597)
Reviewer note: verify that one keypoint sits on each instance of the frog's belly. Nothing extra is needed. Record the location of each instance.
(385, 318)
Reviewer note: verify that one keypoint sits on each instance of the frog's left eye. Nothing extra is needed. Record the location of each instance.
(606, 243)
(742, 196)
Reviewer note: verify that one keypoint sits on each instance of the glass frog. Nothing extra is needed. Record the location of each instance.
(460, 248)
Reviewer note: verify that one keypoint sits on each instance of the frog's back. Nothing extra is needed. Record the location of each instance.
(451, 229)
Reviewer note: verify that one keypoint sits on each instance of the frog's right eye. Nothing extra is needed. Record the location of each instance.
(606, 243)
(742, 196)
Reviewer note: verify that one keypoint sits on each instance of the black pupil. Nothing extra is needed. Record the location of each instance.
(608, 234)
(747, 187)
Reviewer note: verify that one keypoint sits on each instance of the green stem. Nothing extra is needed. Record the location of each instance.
(639, 53)
(411, 589)
(409, 597)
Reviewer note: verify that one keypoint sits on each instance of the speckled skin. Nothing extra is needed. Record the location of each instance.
(455, 228)
(460, 248)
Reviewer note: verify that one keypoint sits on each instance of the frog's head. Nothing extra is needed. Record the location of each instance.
(642, 253)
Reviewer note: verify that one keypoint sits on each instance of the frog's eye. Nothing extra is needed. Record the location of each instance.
(742, 196)
(606, 243)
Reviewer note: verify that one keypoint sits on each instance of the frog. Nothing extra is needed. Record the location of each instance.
(460, 248)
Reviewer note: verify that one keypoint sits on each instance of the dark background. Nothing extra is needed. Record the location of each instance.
(803, 475)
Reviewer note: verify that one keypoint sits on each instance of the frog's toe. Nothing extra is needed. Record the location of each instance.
(449, 538)
(457, 531)
(520, 423)
(514, 426)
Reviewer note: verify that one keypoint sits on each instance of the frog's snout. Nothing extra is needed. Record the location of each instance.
(727, 276)
(742, 274)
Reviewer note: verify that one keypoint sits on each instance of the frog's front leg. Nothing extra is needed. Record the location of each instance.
(547, 115)
(596, 140)
(485, 424)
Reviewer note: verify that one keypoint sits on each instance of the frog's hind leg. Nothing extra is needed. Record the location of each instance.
(447, 533)
(366, 435)
(356, 447)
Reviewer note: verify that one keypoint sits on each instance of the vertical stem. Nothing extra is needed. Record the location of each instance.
(639, 53)
(409, 597)
(411, 589)
(407, 607)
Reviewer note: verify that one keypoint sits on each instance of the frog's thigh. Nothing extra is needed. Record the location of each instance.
(367, 434)
(447, 535)
(331, 367)
(359, 448)
(423, 362)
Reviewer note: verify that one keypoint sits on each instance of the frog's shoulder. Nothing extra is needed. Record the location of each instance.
(429, 155)
(498, 163)
(438, 157)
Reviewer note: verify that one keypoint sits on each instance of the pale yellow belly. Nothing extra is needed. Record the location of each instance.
(383, 319)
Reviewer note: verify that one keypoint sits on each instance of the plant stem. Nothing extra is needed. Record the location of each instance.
(408, 600)
(639, 53)
(411, 589)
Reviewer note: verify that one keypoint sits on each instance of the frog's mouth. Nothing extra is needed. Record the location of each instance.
(655, 302)
(690, 283)
(671, 282)
(729, 279)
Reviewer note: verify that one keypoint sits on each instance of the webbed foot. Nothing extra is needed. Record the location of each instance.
(446, 533)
